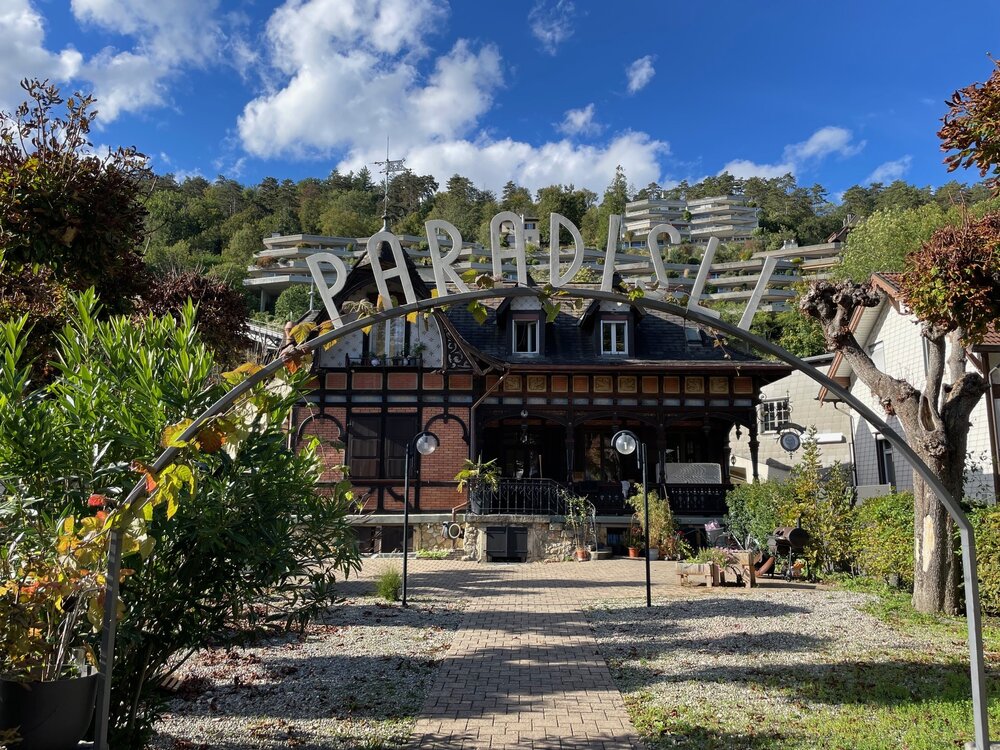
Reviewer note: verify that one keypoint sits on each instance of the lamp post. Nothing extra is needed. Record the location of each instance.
(626, 442)
(425, 443)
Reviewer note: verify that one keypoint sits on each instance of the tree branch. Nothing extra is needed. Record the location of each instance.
(834, 305)
(930, 399)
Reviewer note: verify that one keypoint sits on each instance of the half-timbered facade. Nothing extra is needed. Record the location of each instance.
(542, 398)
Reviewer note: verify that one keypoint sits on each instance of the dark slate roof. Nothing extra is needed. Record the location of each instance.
(660, 338)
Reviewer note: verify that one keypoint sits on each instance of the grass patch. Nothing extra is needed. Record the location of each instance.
(433, 554)
(909, 693)
(389, 585)
(892, 606)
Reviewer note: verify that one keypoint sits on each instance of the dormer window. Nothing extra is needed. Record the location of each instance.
(614, 337)
(526, 338)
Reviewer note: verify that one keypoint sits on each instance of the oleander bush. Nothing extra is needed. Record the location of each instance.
(248, 542)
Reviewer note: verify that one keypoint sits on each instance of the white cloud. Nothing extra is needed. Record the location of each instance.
(890, 170)
(347, 78)
(579, 122)
(491, 163)
(826, 141)
(168, 36)
(340, 89)
(640, 73)
(23, 51)
(744, 168)
(552, 23)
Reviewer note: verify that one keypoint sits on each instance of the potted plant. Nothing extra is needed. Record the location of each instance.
(51, 589)
(661, 519)
(416, 354)
(633, 540)
(578, 514)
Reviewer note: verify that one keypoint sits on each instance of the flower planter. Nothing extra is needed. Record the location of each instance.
(48, 715)
(634, 552)
(582, 555)
(654, 553)
(690, 573)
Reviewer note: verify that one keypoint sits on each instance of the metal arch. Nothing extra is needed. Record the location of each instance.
(444, 418)
(966, 532)
(315, 418)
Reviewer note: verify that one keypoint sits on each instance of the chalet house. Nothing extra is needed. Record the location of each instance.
(543, 399)
(891, 335)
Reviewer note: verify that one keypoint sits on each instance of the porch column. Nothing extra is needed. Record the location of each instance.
(570, 452)
(754, 445)
(726, 453)
(661, 454)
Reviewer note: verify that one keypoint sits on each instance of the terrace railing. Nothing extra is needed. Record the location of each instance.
(531, 497)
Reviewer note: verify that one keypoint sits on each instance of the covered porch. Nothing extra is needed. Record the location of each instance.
(540, 452)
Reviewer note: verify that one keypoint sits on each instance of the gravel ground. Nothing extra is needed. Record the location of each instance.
(738, 656)
(355, 679)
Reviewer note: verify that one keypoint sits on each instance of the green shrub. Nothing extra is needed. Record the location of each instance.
(663, 533)
(755, 509)
(882, 537)
(986, 521)
(253, 543)
(389, 585)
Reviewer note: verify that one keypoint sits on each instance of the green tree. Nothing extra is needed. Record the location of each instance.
(65, 208)
(516, 198)
(953, 286)
(292, 303)
(881, 242)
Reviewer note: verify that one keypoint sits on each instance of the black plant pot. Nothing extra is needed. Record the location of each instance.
(48, 715)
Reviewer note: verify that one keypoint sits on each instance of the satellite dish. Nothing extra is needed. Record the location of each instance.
(453, 530)
(790, 441)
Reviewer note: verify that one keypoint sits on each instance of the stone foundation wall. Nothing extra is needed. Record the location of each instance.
(429, 536)
(547, 540)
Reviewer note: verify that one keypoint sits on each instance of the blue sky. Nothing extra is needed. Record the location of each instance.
(540, 91)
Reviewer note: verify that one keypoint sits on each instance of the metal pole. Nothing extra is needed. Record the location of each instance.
(406, 512)
(645, 510)
(106, 663)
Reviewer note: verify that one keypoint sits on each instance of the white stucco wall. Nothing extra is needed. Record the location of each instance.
(903, 357)
(806, 411)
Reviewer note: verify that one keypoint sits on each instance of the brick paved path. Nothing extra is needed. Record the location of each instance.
(523, 670)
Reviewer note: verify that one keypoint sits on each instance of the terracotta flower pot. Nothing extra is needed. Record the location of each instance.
(633, 552)
(48, 715)
(582, 554)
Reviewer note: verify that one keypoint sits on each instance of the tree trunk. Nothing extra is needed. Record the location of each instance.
(937, 563)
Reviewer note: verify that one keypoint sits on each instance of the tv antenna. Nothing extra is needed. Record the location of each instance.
(389, 167)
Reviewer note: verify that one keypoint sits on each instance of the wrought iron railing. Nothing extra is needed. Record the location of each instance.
(396, 360)
(532, 497)
(542, 497)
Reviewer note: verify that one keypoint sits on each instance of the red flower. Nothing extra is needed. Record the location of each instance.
(96, 501)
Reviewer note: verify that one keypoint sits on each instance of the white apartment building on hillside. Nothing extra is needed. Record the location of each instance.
(727, 217)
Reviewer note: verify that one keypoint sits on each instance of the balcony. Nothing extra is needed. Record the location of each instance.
(368, 361)
(541, 497)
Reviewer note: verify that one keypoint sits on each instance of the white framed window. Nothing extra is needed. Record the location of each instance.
(614, 337)
(525, 337)
(388, 338)
(774, 414)
(886, 461)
